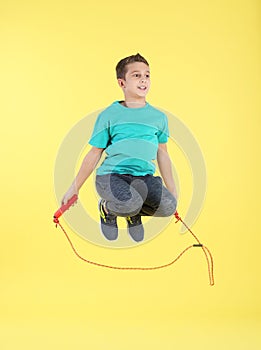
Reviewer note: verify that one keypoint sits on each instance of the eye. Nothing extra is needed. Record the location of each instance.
(147, 75)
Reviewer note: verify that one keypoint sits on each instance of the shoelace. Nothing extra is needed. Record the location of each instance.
(107, 217)
(134, 220)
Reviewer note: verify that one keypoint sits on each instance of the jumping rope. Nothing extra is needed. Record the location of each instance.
(206, 251)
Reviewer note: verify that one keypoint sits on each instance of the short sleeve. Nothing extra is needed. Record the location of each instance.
(100, 136)
(163, 132)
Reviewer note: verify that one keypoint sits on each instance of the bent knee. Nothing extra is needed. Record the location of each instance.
(168, 207)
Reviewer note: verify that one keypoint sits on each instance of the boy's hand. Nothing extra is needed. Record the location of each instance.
(69, 194)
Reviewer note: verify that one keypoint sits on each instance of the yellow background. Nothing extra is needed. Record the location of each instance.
(57, 65)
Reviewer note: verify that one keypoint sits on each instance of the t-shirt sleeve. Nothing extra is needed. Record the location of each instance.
(163, 132)
(100, 136)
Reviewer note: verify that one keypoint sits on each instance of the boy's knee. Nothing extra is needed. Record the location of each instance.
(169, 206)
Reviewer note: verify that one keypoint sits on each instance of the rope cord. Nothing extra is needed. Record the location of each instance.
(206, 251)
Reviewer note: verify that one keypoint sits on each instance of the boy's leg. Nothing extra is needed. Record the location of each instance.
(121, 198)
(159, 202)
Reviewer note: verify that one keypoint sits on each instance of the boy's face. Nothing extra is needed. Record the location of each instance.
(137, 81)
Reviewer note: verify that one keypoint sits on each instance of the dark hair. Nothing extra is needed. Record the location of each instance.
(121, 67)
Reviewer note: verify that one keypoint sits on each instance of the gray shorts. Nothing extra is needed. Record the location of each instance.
(128, 195)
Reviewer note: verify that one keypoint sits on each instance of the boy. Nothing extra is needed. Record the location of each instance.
(133, 134)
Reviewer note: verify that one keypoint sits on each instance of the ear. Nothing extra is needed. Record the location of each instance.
(121, 83)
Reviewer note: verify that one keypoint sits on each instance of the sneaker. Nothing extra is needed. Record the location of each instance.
(135, 228)
(108, 222)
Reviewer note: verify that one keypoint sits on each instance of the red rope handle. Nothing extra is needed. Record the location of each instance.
(204, 248)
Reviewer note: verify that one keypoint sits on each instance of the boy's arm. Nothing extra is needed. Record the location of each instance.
(88, 165)
(164, 164)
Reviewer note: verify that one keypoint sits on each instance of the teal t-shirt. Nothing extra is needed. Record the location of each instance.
(130, 137)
